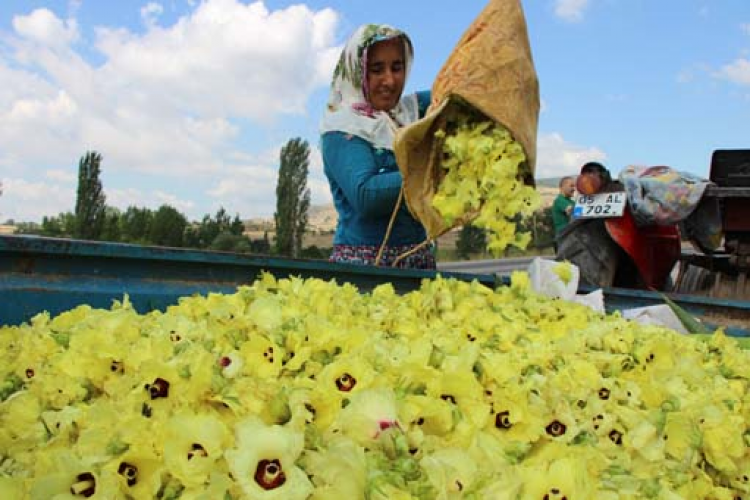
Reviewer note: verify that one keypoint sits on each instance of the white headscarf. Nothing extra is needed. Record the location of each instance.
(348, 110)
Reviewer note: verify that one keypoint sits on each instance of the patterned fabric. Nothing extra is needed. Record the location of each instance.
(366, 255)
(661, 195)
(348, 109)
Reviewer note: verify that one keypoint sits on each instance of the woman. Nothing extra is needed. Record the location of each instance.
(365, 108)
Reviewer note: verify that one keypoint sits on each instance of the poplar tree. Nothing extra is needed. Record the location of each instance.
(91, 207)
(292, 197)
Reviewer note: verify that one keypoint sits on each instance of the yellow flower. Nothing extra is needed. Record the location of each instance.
(368, 414)
(263, 462)
(265, 312)
(723, 442)
(339, 471)
(562, 478)
(645, 441)
(61, 423)
(139, 471)
(520, 282)
(560, 424)
(461, 390)
(218, 485)
(740, 480)
(346, 375)
(21, 426)
(12, 488)
(450, 471)
(261, 357)
(430, 415)
(60, 474)
(681, 437)
(514, 417)
(192, 445)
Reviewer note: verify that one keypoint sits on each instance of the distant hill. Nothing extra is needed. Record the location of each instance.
(552, 182)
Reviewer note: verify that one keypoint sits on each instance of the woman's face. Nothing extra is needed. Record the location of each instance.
(386, 73)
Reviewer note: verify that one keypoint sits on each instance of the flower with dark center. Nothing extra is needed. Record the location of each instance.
(554, 492)
(448, 397)
(346, 382)
(615, 436)
(129, 472)
(268, 354)
(159, 389)
(84, 486)
(116, 366)
(597, 420)
(604, 393)
(556, 428)
(196, 450)
(269, 474)
(502, 420)
(225, 361)
(627, 364)
(29, 373)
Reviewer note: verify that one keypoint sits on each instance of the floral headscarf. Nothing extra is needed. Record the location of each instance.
(348, 109)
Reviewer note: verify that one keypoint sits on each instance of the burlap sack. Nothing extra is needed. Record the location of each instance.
(492, 72)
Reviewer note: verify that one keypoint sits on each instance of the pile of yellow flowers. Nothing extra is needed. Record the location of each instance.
(295, 389)
(481, 162)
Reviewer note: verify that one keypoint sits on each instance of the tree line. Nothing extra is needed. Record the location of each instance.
(93, 219)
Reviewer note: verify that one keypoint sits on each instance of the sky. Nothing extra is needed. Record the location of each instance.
(189, 102)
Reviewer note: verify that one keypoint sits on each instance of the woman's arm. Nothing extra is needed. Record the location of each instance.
(423, 101)
(350, 162)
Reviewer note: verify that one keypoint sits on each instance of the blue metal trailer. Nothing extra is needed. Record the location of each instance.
(49, 274)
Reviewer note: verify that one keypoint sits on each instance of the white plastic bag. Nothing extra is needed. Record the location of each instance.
(661, 315)
(594, 300)
(545, 280)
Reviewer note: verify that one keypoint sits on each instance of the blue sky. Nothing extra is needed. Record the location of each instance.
(189, 102)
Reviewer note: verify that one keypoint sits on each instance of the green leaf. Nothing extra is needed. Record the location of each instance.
(691, 324)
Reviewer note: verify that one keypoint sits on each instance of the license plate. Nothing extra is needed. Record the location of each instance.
(599, 205)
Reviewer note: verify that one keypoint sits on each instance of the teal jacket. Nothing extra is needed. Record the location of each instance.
(365, 183)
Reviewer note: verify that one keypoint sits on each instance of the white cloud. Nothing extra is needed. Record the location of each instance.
(736, 72)
(150, 12)
(745, 27)
(228, 59)
(176, 100)
(557, 157)
(249, 186)
(153, 199)
(570, 10)
(24, 201)
(44, 27)
(61, 176)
